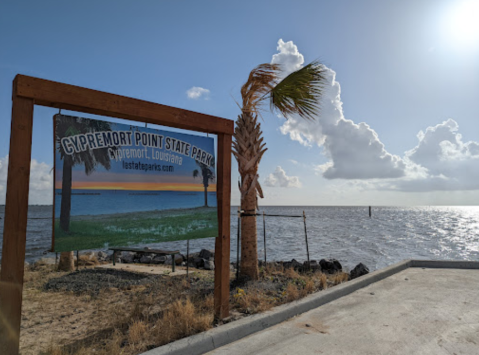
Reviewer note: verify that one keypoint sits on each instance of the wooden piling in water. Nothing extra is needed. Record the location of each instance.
(370, 214)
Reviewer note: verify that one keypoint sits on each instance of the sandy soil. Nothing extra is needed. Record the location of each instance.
(108, 311)
(55, 317)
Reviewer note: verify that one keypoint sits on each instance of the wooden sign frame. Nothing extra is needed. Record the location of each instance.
(29, 91)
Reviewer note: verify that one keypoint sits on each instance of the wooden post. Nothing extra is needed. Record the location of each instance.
(222, 245)
(188, 260)
(264, 239)
(370, 212)
(28, 91)
(238, 244)
(306, 238)
(15, 225)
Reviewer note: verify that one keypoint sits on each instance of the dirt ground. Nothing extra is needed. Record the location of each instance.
(112, 311)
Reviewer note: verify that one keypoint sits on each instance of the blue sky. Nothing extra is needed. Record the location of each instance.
(401, 67)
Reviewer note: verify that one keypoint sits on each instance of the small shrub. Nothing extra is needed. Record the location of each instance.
(291, 273)
(340, 277)
(209, 302)
(291, 292)
(136, 332)
(323, 281)
(252, 301)
(181, 320)
(309, 287)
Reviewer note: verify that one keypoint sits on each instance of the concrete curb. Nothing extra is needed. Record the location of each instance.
(207, 341)
(445, 264)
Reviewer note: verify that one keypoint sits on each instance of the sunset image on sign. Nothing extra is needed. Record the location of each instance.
(119, 185)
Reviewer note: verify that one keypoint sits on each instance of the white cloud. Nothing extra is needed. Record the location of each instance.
(354, 150)
(197, 92)
(441, 161)
(288, 57)
(278, 178)
(41, 182)
(444, 160)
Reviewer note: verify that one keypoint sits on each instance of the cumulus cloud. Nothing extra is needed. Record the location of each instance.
(354, 150)
(447, 162)
(278, 178)
(41, 182)
(441, 161)
(197, 92)
(288, 57)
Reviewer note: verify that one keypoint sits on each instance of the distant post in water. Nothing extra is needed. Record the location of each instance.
(370, 212)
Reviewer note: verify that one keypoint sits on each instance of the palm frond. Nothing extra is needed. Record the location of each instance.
(299, 92)
(261, 81)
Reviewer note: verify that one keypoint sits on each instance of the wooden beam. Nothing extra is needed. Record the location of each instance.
(15, 227)
(222, 245)
(28, 91)
(76, 98)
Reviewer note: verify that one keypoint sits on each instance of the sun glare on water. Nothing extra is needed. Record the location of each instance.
(463, 23)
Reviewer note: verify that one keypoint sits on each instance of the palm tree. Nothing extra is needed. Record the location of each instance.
(64, 127)
(208, 174)
(296, 95)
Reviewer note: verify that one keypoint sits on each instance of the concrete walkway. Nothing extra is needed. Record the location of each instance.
(416, 311)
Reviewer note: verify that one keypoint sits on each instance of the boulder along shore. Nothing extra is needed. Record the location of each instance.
(204, 260)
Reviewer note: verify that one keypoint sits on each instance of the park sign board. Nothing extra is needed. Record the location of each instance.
(119, 185)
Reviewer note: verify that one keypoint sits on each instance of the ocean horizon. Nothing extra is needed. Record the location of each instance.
(345, 233)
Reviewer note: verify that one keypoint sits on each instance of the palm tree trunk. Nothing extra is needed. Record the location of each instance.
(66, 258)
(249, 251)
(248, 150)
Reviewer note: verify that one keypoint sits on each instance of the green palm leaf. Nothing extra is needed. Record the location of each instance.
(299, 92)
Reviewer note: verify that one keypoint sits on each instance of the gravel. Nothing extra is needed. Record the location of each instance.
(93, 280)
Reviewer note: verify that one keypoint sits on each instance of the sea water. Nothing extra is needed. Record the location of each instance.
(95, 202)
(345, 233)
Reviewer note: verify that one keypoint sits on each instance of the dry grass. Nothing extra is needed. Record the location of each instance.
(252, 301)
(126, 321)
(137, 333)
(86, 260)
(132, 321)
(340, 277)
(291, 273)
(309, 287)
(291, 292)
(182, 319)
(323, 281)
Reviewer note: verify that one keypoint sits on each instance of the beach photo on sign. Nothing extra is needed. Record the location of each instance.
(120, 185)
